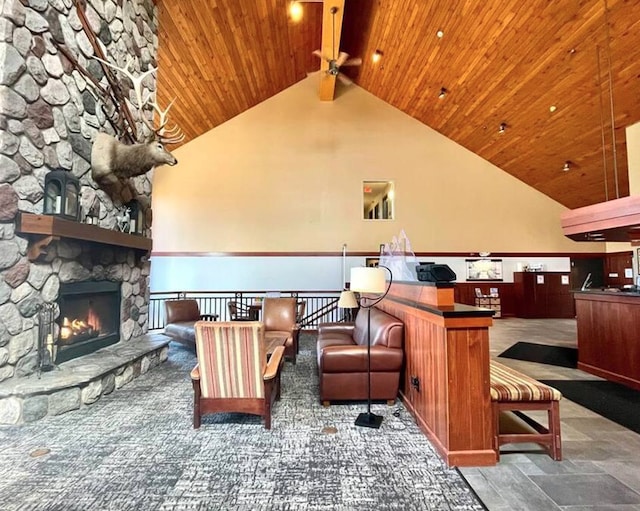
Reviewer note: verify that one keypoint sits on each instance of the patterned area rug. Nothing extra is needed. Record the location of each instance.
(135, 449)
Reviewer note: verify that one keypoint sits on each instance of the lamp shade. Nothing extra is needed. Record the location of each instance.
(368, 280)
(347, 300)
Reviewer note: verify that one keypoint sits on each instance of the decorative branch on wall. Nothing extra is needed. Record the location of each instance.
(130, 153)
(119, 115)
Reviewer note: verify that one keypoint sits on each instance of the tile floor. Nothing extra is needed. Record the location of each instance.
(601, 460)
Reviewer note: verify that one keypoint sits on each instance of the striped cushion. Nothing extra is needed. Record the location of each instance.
(232, 359)
(509, 385)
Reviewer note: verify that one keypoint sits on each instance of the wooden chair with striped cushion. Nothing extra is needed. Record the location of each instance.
(515, 392)
(233, 374)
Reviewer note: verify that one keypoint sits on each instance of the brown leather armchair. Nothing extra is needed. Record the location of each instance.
(279, 318)
(238, 311)
(342, 358)
(180, 318)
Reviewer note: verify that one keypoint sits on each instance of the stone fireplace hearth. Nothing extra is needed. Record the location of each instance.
(79, 277)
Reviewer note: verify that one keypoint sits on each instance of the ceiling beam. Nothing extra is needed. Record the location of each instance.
(331, 30)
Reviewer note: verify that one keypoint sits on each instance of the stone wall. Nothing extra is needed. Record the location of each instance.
(49, 116)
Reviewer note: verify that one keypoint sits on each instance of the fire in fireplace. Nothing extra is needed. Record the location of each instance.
(89, 318)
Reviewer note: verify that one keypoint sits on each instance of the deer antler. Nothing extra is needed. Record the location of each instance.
(113, 161)
(135, 80)
(172, 135)
(166, 135)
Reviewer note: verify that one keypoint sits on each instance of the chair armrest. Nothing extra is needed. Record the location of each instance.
(195, 372)
(275, 361)
(342, 328)
(209, 317)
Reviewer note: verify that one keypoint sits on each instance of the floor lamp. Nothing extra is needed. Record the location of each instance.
(367, 280)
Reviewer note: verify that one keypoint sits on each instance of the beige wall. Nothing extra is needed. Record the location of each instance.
(287, 176)
(633, 158)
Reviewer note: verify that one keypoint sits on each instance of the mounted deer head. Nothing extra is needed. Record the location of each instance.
(113, 161)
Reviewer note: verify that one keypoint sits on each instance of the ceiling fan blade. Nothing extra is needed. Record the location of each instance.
(357, 61)
(342, 58)
(319, 54)
(344, 79)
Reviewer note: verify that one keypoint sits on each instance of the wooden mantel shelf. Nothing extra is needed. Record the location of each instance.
(48, 227)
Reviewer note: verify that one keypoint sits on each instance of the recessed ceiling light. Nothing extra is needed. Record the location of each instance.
(440, 34)
(377, 55)
(502, 128)
(567, 166)
(443, 93)
(553, 108)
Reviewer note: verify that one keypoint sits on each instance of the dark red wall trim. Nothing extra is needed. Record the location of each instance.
(575, 255)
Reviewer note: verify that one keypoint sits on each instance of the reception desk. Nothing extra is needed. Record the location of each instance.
(608, 324)
(445, 384)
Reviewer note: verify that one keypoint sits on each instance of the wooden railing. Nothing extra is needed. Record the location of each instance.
(321, 306)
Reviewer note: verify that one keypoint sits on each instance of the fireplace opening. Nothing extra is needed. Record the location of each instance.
(89, 318)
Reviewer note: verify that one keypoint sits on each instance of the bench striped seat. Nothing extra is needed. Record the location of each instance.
(515, 392)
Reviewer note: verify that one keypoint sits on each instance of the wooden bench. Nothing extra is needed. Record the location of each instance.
(513, 391)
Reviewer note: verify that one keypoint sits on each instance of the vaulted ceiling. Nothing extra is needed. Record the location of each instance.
(500, 61)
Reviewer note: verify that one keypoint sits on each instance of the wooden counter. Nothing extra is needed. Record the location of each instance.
(445, 384)
(608, 335)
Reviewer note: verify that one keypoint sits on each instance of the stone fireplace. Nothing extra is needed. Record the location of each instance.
(49, 116)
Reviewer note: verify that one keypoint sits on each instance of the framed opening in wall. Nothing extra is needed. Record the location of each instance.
(372, 262)
(484, 269)
(378, 200)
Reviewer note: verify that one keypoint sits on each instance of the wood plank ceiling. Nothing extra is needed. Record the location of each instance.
(500, 61)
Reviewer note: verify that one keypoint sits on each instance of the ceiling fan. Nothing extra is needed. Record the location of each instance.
(335, 63)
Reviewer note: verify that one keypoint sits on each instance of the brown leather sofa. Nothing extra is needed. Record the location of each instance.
(180, 318)
(342, 358)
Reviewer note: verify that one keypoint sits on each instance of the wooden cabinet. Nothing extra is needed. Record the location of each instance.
(490, 302)
(465, 292)
(445, 382)
(614, 266)
(608, 344)
(544, 294)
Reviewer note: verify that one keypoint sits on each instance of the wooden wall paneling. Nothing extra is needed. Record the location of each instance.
(303, 36)
(450, 358)
(615, 263)
(465, 293)
(559, 297)
(220, 58)
(607, 326)
(424, 355)
(501, 61)
(468, 368)
(550, 299)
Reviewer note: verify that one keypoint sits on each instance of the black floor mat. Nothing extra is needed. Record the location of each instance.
(611, 400)
(543, 354)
